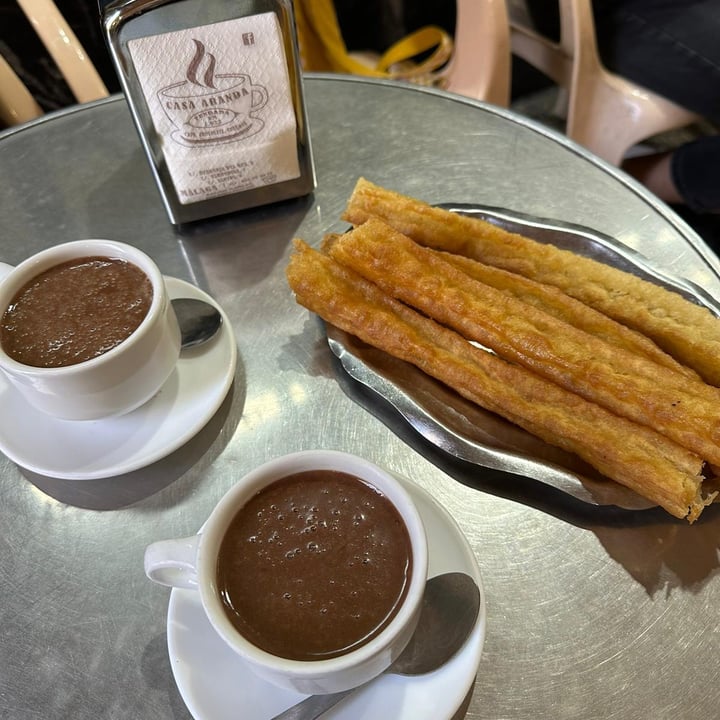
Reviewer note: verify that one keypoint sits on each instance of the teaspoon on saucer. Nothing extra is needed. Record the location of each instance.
(198, 321)
(450, 608)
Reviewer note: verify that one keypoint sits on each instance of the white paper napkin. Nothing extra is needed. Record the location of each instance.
(219, 96)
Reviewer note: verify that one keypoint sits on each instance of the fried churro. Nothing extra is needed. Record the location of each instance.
(684, 410)
(627, 452)
(689, 332)
(555, 302)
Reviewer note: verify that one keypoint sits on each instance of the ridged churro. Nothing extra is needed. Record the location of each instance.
(555, 302)
(689, 332)
(632, 454)
(684, 410)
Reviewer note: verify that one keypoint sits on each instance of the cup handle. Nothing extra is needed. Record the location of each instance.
(5, 269)
(173, 562)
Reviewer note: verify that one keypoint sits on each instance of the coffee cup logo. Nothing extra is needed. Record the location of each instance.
(209, 108)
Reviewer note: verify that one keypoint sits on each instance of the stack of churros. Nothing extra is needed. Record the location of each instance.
(580, 354)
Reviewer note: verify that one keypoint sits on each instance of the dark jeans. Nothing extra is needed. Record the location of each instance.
(671, 47)
(696, 173)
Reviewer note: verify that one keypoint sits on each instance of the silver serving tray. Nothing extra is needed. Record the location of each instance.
(465, 431)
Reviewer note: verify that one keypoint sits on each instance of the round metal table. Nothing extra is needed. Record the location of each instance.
(592, 612)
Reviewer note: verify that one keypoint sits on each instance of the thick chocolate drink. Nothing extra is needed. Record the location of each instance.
(314, 566)
(75, 311)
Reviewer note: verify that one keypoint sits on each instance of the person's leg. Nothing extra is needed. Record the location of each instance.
(672, 48)
(687, 175)
(695, 170)
(654, 171)
(667, 46)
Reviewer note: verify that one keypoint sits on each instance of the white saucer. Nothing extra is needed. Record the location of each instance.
(85, 450)
(217, 685)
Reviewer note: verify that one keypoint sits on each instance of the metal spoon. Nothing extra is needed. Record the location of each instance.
(198, 321)
(450, 608)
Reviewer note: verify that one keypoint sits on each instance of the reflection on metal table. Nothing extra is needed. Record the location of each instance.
(593, 611)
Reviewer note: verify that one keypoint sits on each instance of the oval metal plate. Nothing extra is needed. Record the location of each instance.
(464, 430)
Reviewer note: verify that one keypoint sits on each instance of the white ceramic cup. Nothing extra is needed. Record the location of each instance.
(110, 384)
(191, 563)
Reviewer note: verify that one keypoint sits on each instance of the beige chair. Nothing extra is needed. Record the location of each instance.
(16, 103)
(606, 113)
(477, 61)
(480, 65)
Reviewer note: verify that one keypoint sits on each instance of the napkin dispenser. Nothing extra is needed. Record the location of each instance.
(215, 90)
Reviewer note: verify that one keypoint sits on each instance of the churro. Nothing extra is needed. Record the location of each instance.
(555, 302)
(632, 454)
(684, 410)
(689, 332)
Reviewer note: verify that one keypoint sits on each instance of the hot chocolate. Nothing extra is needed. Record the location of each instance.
(75, 311)
(314, 565)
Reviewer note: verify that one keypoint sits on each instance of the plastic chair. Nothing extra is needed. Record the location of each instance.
(16, 103)
(606, 113)
(476, 61)
(480, 65)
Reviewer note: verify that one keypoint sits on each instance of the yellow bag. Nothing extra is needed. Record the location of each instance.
(322, 48)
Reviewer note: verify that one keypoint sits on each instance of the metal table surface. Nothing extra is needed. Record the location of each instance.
(592, 612)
